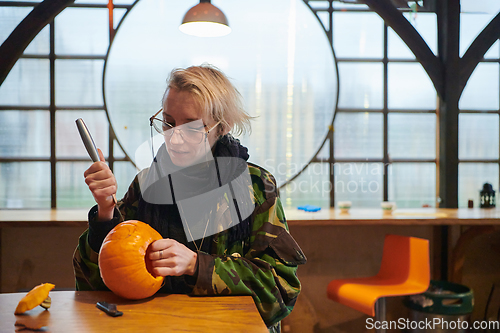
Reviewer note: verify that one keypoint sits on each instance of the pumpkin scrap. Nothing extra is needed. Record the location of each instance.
(35, 297)
(124, 261)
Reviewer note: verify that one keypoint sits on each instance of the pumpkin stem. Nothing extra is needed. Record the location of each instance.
(46, 303)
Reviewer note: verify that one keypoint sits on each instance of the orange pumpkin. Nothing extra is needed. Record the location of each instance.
(124, 260)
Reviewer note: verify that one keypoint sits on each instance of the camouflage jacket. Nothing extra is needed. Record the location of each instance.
(263, 265)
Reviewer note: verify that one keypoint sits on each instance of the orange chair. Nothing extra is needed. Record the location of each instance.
(405, 270)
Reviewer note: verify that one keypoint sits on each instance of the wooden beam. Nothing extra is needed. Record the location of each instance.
(448, 17)
(475, 52)
(393, 18)
(14, 46)
(448, 14)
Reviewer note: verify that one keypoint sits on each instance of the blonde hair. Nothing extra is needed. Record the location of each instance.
(214, 93)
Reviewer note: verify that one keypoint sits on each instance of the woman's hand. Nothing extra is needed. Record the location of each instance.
(102, 184)
(171, 258)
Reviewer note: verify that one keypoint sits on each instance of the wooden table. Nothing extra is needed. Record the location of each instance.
(76, 312)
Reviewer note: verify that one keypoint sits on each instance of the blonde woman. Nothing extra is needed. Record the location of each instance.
(223, 227)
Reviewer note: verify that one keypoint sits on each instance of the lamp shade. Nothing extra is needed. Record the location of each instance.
(205, 20)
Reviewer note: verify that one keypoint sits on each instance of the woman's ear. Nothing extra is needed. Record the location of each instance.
(223, 129)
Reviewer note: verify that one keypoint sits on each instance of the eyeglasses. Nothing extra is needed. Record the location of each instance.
(188, 134)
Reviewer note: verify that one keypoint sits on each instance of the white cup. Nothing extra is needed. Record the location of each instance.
(388, 207)
(344, 206)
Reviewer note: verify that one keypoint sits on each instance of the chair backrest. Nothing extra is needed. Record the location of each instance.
(405, 258)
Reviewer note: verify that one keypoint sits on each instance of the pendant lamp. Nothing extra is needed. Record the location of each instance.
(205, 20)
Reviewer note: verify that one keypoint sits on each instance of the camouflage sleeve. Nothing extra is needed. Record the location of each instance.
(266, 270)
(85, 257)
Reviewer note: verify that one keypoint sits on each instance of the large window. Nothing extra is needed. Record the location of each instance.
(385, 126)
(479, 108)
(42, 157)
(383, 144)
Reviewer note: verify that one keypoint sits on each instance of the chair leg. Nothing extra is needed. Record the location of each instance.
(380, 314)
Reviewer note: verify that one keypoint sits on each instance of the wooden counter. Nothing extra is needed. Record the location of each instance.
(481, 220)
(407, 216)
(360, 216)
(43, 217)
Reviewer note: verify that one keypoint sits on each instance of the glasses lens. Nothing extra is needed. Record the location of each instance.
(159, 126)
(189, 135)
(192, 136)
(193, 132)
